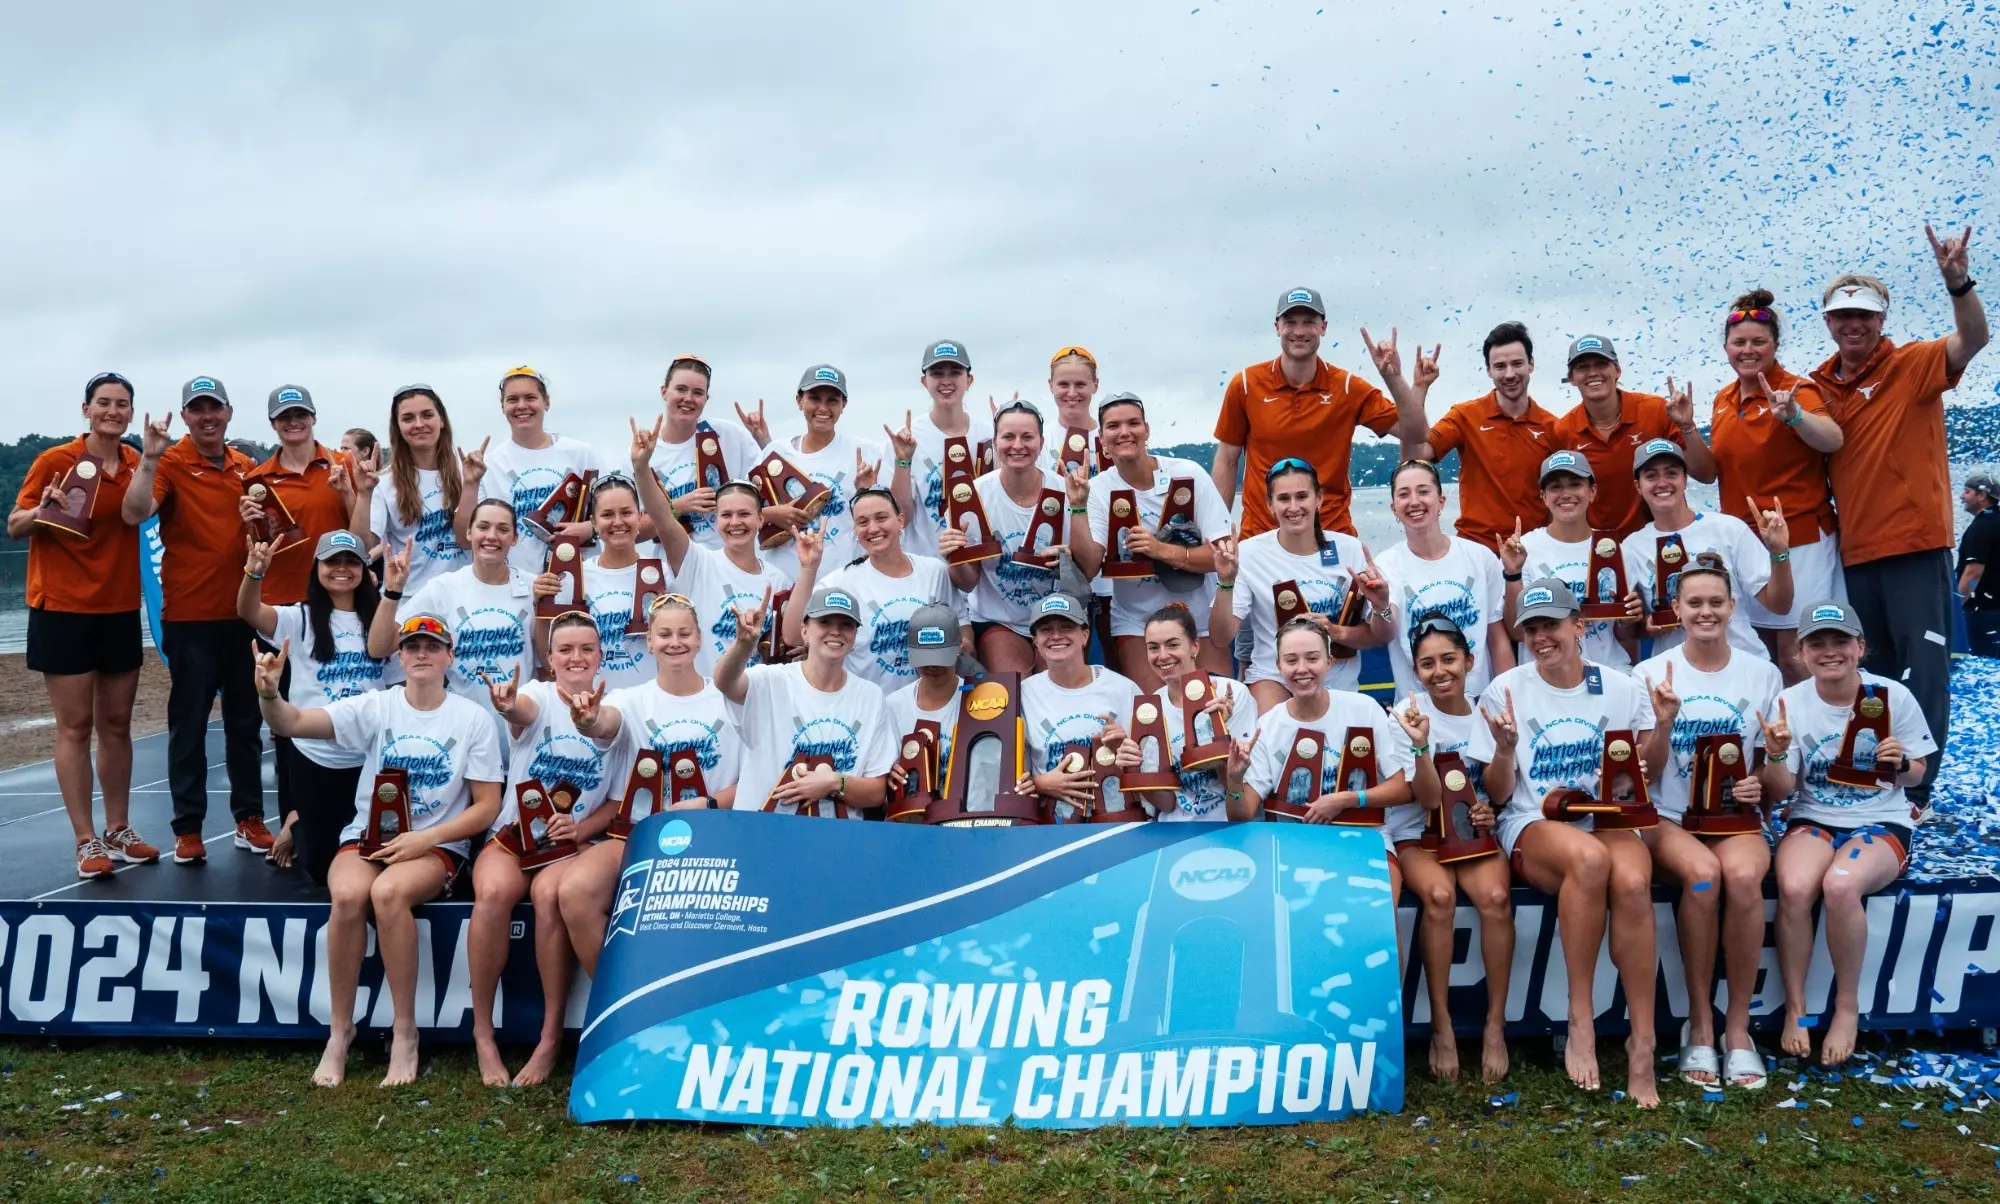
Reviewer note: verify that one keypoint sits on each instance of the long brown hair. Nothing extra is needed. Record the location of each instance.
(403, 462)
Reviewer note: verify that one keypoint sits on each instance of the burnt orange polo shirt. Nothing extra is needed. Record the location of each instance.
(315, 505)
(1499, 465)
(1891, 469)
(1641, 416)
(202, 528)
(1757, 454)
(94, 576)
(1270, 419)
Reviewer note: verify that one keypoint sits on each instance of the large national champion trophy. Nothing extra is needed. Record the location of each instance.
(988, 756)
(1449, 832)
(71, 515)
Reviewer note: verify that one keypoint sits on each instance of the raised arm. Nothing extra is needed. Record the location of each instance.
(284, 718)
(653, 496)
(1680, 409)
(140, 504)
(1817, 431)
(471, 471)
(729, 675)
(395, 575)
(1968, 313)
(1083, 546)
(792, 623)
(250, 605)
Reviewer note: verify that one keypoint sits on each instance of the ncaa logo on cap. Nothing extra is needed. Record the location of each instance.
(930, 637)
(1539, 596)
(1300, 295)
(827, 374)
(1828, 614)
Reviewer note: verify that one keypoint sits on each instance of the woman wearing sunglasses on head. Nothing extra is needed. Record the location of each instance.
(1001, 591)
(1431, 571)
(1322, 568)
(1437, 721)
(719, 582)
(1545, 728)
(887, 583)
(449, 752)
(1842, 842)
(1702, 690)
(1771, 439)
(678, 711)
(549, 752)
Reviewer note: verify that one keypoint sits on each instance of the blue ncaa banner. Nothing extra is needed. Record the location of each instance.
(770, 970)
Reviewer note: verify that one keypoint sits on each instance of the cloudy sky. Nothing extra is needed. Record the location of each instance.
(352, 201)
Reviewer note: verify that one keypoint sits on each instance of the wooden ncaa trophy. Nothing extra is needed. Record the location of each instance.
(918, 760)
(1288, 602)
(1359, 771)
(988, 755)
(527, 838)
(711, 470)
(1621, 784)
(1871, 714)
(1349, 615)
(1604, 592)
(78, 487)
(649, 581)
(566, 562)
(1668, 562)
(1120, 563)
(801, 765)
(275, 525)
(569, 502)
(1149, 732)
(1196, 690)
(1713, 809)
(1075, 451)
(1307, 756)
(684, 778)
(646, 781)
(388, 810)
(1448, 829)
(771, 646)
(964, 511)
(784, 485)
(1045, 531)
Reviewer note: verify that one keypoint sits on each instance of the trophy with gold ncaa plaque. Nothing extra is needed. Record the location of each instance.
(1604, 593)
(802, 765)
(527, 838)
(1621, 784)
(1288, 602)
(963, 509)
(1358, 771)
(1871, 714)
(568, 502)
(649, 581)
(274, 524)
(1149, 732)
(988, 755)
(71, 513)
(771, 646)
(566, 562)
(1197, 689)
(1075, 452)
(1045, 531)
(918, 759)
(1349, 615)
(388, 810)
(1713, 809)
(1120, 562)
(785, 485)
(1449, 832)
(1306, 756)
(711, 470)
(646, 781)
(1668, 561)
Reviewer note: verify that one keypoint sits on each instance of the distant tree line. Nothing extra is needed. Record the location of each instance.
(18, 456)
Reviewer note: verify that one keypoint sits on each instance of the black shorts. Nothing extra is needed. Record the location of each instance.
(1896, 836)
(62, 642)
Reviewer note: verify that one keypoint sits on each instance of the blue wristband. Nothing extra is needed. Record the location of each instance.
(1361, 797)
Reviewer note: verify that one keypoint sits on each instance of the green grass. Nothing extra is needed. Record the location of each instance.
(238, 1121)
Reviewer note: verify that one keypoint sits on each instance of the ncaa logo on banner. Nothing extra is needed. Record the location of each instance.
(1206, 875)
(631, 893)
(675, 838)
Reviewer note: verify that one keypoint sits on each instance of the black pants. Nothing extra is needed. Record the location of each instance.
(205, 658)
(1904, 604)
(1982, 632)
(324, 799)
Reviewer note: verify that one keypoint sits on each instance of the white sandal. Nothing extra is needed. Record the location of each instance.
(1702, 1058)
(1741, 1062)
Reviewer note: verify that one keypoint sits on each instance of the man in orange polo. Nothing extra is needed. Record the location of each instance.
(194, 485)
(1610, 422)
(1501, 440)
(1296, 405)
(1891, 477)
(311, 480)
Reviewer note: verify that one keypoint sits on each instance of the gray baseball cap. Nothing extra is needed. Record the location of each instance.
(409, 389)
(1984, 483)
(1574, 463)
(823, 376)
(204, 386)
(1547, 598)
(1828, 616)
(825, 603)
(1301, 298)
(1591, 344)
(1058, 606)
(334, 543)
(1121, 399)
(291, 397)
(933, 637)
(946, 351)
(1655, 449)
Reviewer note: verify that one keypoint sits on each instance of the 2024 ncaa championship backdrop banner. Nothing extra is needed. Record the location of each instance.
(773, 970)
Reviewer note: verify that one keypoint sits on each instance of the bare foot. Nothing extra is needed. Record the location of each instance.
(332, 1066)
(492, 1069)
(1639, 1081)
(1793, 1038)
(402, 1059)
(540, 1063)
(1444, 1052)
(1580, 1052)
(1493, 1053)
(1839, 1043)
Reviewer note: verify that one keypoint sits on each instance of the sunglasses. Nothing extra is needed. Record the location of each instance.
(1290, 464)
(1073, 349)
(660, 600)
(1434, 624)
(1751, 315)
(106, 378)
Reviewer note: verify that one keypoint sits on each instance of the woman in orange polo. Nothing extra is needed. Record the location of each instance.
(83, 616)
(1771, 435)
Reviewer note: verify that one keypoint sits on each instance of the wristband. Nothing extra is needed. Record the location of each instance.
(267, 697)
(840, 791)
(1079, 510)
(1361, 798)
(1798, 415)
(393, 595)
(1506, 576)
(1781, 557)
(253, 576)
(1234, 796)
(902, 463)
(1225, 585)
(1420, 750)
(1962, 289)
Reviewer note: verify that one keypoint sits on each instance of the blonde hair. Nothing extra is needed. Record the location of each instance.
(1852, 279)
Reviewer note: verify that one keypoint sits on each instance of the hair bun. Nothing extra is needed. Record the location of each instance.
(1756, 298)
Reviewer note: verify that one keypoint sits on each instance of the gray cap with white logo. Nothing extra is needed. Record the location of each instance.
(1546, 599)
(933, 637)
(946, 351)
(291, 397)
(1592, 344)
(823, 376)
(1301, 298)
